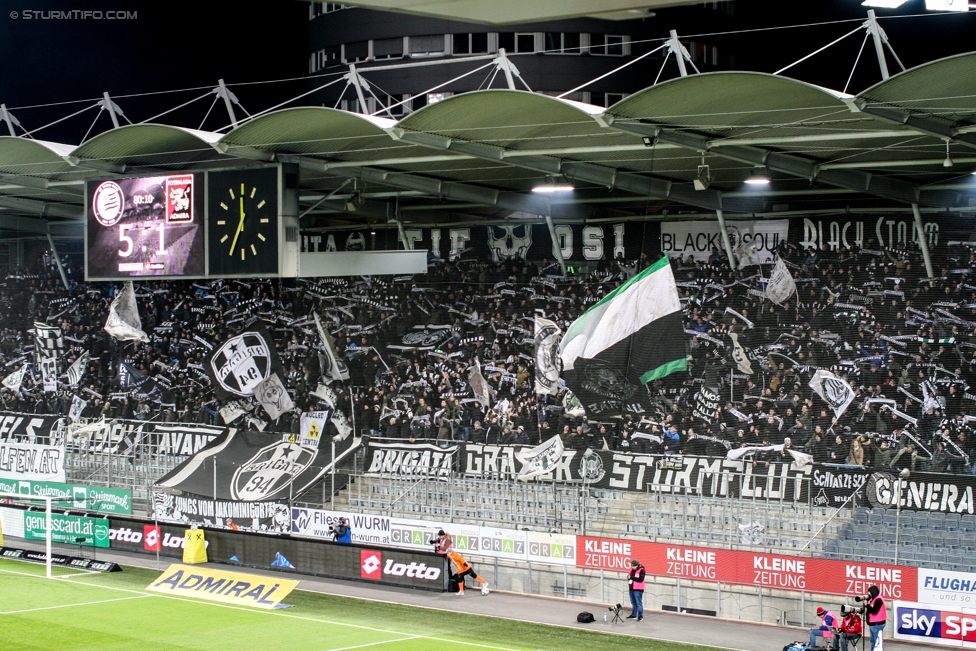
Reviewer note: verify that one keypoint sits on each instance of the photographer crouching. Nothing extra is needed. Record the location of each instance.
(877, 615)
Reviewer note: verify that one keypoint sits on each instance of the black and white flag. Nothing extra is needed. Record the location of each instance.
(540, 460)
(48, 340)
(706, 404)
(335, 366)
(835, 391)
(77, 406)
(139, 384)
(780, 285)
(273, 396)
(739, 355)
(479, 385)
(77, 370)
(547, 363)
(123, 321)
(15, 379)
(242, 362)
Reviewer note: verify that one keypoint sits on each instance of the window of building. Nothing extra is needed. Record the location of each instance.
(430, 45)
(566, 43)
(479, 43)
(388, 48)
(609, 44)
(353, 52)
(525, 42)
(506, 41)
(571, 43)
(316, 9)
(470, 43)
(612, 98)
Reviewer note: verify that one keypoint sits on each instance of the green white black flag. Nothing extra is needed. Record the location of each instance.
(631, 337)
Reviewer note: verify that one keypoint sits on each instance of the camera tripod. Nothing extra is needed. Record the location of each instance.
(616, 615)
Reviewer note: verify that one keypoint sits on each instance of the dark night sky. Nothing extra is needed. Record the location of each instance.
(178, 45)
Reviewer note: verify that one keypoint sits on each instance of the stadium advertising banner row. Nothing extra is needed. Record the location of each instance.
(66, 529)
(748, 568)
(75, 496)
(508, 544)
(708, 476)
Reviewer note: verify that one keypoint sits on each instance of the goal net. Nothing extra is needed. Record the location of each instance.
(43, 531)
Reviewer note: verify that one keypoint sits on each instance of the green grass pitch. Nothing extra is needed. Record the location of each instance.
(101, 612)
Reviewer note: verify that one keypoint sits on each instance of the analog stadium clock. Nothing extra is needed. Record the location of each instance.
(243, 222)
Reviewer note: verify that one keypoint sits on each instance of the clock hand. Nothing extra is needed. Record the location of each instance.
(240, 229)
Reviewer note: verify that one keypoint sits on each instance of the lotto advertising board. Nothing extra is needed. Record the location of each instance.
(146, 226)
(748, 568)
(422, 570)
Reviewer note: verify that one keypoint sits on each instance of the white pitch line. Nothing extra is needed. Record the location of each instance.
(87, 603)
(258, 611)
(360, 646)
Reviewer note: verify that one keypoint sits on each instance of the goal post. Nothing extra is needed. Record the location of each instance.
(9, 515)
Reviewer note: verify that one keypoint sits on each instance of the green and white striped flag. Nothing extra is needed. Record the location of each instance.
(631, 337)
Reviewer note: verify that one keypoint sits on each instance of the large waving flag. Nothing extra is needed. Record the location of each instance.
(631, 337)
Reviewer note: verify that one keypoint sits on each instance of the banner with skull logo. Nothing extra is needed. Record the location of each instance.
(547, 365)
(835, 391)
(243, 362)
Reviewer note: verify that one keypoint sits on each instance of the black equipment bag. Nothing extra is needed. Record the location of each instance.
(585, 618)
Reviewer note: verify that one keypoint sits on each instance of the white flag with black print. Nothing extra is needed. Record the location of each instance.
(15, 379)
(780, 286)
(123, 321)
(540, 460)
(273, 396)
(547, 363)
(335, 366)
(77, 370)
(48, 340)
(835, 391)
(739, 355)
(77, 406)
(49, 374)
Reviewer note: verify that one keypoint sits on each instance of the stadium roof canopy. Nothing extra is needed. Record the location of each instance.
(501, 12)
(479, 155)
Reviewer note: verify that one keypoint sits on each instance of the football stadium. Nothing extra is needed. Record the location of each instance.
(518, 326)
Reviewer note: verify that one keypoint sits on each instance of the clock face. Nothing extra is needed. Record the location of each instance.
(243, 220)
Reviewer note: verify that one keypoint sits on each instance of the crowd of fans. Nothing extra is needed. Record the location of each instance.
(903, 343)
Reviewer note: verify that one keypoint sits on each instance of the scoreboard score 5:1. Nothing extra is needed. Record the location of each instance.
(148, 226)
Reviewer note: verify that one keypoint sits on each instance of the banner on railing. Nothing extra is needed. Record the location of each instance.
(28, 428)
(707, 476)
(29, 461)
(254, 467)
(921, 491)
(317, 523)
(269, 517)
(774, 571)
(409, 459)
(125, 436)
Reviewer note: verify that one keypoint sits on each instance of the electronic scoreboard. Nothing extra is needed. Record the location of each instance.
(221, 223)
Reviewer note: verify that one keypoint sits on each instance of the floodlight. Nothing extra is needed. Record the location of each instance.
(551, 186)
(704, 178)
(760, 176)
